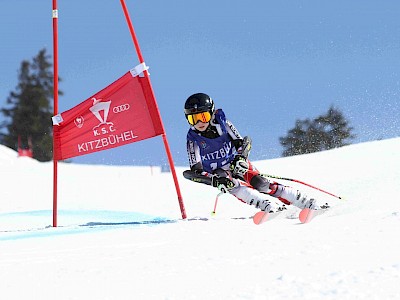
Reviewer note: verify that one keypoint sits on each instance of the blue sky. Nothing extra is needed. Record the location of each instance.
(266, 63)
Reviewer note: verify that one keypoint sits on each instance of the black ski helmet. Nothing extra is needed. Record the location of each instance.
(198, 103)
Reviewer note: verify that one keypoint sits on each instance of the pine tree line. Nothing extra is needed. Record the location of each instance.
(325, 132)
(28, 109)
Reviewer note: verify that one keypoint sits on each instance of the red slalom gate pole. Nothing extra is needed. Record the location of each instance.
(55, 95)
(164, 137)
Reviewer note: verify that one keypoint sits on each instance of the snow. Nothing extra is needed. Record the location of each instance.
(120, 236)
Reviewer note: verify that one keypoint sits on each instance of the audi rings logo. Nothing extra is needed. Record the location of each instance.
(121, 108)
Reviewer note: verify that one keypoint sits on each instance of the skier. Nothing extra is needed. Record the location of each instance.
(218, 156)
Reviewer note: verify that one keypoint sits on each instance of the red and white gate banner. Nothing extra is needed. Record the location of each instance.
(122, 113)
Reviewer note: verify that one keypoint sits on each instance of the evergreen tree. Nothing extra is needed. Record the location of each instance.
(336, 129)
(323, 133)
(30, 110)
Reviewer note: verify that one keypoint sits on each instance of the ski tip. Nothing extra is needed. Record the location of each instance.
(260, 217)
(306, 215)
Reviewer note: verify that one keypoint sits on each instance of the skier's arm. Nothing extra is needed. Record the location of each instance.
(197, 174)
(233, 132)
(224, 184)
(240, 143)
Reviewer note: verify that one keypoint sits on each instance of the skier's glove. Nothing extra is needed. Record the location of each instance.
(224, 184)
(239, 166)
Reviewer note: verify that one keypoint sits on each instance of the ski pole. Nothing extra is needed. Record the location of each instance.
(301, 182)
(215, 204)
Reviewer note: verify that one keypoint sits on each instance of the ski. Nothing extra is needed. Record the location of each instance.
(307, 214)
(263, 216)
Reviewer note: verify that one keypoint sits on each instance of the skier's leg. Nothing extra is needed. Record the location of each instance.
(286, 194)
(247, 194)
(260, 183)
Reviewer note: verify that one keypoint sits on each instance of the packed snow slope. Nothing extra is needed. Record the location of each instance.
(120, 235)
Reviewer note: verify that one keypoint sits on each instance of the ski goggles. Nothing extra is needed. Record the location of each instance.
(204, 117)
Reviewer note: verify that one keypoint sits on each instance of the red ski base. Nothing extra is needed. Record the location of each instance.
(260, 217)
(306, 215)
(263, 216)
